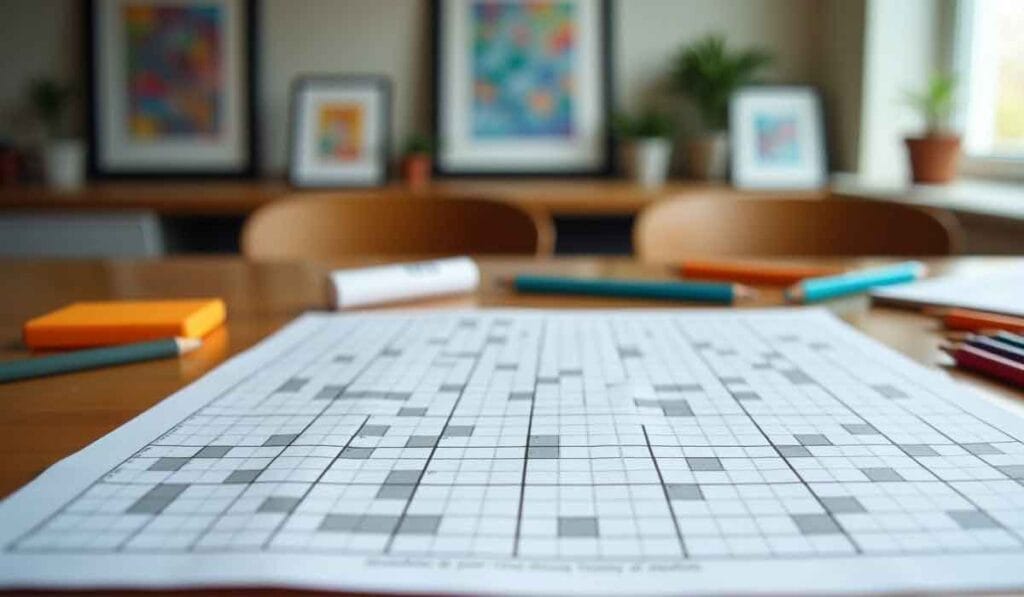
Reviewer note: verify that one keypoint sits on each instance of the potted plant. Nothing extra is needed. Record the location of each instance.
(416, 160)
(63, 154)
(934, 155)
(648, 146)
(708, 73)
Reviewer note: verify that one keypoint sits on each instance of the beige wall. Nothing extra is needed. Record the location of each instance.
(392, 37)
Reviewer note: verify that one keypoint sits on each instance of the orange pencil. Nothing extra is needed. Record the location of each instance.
(964, 319)
(753, 272)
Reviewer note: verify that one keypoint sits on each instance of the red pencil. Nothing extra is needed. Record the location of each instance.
(976, 359)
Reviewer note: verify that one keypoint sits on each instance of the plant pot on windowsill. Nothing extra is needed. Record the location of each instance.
(647, 160)
(416, 169)
(707, 156)
(933, 158)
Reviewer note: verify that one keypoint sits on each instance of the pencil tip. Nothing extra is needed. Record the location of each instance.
(187, 345)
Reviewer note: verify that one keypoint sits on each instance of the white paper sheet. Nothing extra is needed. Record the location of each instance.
(998, 292)
(543, 452)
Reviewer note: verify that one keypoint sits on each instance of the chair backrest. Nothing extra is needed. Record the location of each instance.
(325, 226)
(672, 230)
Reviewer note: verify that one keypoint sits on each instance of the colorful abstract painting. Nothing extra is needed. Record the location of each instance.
(174, 78)
(777, 142)
(523, 61)
(339, 133)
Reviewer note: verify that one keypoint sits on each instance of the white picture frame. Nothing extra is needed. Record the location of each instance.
(777, 138)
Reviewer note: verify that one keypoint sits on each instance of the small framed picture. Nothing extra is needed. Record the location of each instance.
(522, 87)
(340, 131)
(171, 87)
(777, 137)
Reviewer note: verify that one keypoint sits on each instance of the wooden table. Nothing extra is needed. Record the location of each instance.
(46, 419)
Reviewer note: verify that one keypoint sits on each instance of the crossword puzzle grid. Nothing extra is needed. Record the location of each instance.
(568, 436)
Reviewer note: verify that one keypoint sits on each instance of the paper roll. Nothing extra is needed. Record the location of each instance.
(402, 282)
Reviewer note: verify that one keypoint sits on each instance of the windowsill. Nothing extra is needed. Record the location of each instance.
(999, 199)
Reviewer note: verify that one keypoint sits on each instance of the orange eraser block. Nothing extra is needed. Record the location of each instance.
(119, 322)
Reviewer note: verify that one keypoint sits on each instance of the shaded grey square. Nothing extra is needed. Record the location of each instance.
(421, 441)
(918, 450)
(406, 411)
(981, 449)
(280, 439)
(520, 396)
(242, 476)
(395, 492)
(727, 352)
(973, 519)
(329, 393)
(793, 451)
(577, 526)
(761, 366)
(451, 387)
(704, 463)
(547, 380)
(702, 344)
(684, 491)
(168, 464)
(629, 352)
(293, 385)
(353, 453)
(344, 358)
(812, 439)
(419, 524)
(374, 430)
(155, 500)
(339, 523)
(815, 524)
(376, 523)
(746, 395)
(570, 372)
(881, 474)
(279, 505)
(391, 352)
(732, 380)
(797, 377)
(1014, 471)
(409, 477)
(213, 452)
(398, 395)
(678, 408)
(859, 429)
(843, 505)
(506, 367)
(543, 440)
(496, 340)
(458, 431)
(889, 391)
(542, 452)
(668, 387)
(820, 346)
(467, 323)
(437, 341)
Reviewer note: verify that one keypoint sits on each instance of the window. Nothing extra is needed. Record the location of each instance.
(990, 59)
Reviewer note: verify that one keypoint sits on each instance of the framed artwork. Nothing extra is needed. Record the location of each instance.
(171, 87)
(522, 87)
(777, 136)
(340, 131)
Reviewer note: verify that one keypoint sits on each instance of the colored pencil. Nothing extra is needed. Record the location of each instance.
(966, 319)
(976, 359)
(817, 289)
(97, 357)
(749, 272)
(711, 292)
(1009, 338)
(996, 347)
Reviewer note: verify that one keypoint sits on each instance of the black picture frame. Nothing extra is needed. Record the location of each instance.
(309, 82)
(248, 129)
(606, 168)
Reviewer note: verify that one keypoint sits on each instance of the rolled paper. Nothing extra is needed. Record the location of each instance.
(403, 282)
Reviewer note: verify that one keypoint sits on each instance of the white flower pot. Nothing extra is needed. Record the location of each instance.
(708, 157)
(649, 161)
(64, 164)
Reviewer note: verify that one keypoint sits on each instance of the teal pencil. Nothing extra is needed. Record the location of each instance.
(97, 357)
(711, 292)
(818, 289)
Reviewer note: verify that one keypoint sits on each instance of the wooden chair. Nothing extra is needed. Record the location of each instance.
(319, 227)
(669, 231)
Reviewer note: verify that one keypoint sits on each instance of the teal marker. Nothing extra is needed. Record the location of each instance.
(710, 292)
(97, 357)
(819, 289)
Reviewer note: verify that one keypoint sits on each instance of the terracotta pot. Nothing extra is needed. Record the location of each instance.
(707, 157)
(416, 169)
(933, 159)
